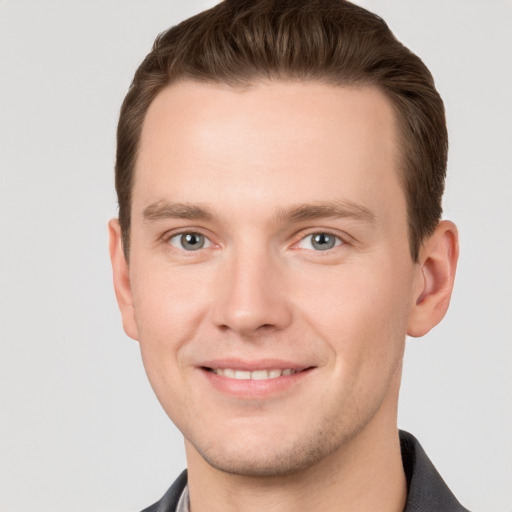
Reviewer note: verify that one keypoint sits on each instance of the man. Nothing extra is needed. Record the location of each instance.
(280, 169)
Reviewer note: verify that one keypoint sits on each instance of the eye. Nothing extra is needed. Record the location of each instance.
(319, 241)
(189, 241)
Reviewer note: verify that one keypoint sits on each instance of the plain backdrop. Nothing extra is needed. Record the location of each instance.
(80, 429)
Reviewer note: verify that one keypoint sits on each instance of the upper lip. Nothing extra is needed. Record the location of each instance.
(254, 365)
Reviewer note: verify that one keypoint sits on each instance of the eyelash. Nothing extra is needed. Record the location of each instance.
(338, 241)
(182, 234)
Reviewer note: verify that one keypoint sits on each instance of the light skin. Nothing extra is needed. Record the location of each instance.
(269, 233)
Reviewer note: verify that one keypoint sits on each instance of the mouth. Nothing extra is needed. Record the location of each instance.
(265, 374)
(256, 379)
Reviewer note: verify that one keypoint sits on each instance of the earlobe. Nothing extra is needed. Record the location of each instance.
(437, 265)
(121, 277)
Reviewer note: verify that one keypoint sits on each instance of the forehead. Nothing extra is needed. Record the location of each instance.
(272, 141)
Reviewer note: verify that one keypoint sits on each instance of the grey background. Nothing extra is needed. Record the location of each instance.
(80, 429)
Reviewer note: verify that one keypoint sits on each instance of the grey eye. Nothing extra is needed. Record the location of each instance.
(320, 242)
(189, 241)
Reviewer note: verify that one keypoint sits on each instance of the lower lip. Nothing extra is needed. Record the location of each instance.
(251, 389)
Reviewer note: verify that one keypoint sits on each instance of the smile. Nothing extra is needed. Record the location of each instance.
(231, 373)
(254, 380)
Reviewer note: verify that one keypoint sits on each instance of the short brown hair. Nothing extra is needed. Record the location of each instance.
(333, 41)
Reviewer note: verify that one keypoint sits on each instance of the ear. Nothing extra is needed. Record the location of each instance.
(436, 274)
(122, 285)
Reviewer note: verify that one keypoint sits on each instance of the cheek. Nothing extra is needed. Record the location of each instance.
(167, 302)
(165, 319)
(360, 311)
(168, 308)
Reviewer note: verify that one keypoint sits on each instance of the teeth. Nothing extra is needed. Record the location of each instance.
(254, 375)
(259, 375)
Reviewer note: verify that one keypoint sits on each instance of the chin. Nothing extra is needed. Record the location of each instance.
(265, 465)
(278, 457)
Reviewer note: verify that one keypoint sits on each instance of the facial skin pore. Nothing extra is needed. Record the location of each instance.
(269, 232)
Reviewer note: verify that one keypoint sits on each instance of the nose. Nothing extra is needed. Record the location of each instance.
(251, 295)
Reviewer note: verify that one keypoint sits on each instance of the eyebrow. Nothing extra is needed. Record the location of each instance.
(161, 210)
(321, 210)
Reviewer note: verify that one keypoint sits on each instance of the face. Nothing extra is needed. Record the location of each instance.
(270, 281)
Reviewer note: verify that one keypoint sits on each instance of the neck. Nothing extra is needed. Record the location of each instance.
(364, 474)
